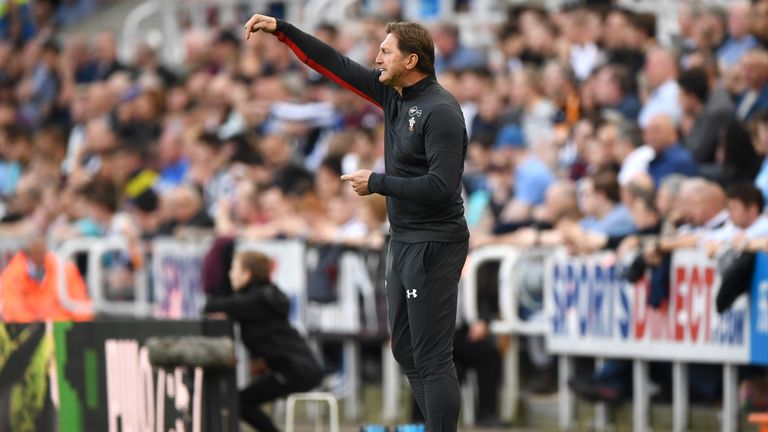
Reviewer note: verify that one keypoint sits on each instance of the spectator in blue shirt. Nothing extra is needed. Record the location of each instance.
(739, 41)
(72, 11)
(760, 144)
(451, 55)
(671, 156)
(600, 201)
(613, 91)
(41, 90)
(16, 21)
(754, 74)
(175, 165)
(532, 175)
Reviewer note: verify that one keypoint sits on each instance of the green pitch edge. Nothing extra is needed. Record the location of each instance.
(91, 379)
(70, 412)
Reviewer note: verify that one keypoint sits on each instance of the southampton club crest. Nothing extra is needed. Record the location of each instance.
(414, 112)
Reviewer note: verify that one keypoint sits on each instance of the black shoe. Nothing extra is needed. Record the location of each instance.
(492, 422)
(595, 390)
(584, 386)
(609, 394)
(544, 383)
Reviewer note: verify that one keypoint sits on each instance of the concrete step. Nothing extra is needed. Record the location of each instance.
(110, 18)
(541, 413)
(537, 413)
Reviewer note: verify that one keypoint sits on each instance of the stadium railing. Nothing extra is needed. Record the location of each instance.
(589, 310)
(512, 288)
(592, 311)
(173, 269)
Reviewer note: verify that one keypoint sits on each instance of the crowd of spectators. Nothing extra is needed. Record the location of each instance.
(584, 130)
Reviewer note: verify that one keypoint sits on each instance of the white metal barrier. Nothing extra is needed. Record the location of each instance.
(509, 323)
(344, 316)
(96, 250)
(592, 311)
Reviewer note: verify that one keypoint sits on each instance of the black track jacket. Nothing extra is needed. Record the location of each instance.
(425, 143)
(262, 309)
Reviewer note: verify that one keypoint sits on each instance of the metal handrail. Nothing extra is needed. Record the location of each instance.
(96, 248)
(64, 254)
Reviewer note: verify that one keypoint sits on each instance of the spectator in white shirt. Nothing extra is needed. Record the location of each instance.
(630, 153)
(660, 72)
(584, 52)
(745, 209)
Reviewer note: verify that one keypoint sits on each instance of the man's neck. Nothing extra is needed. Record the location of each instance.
(647, 220)
(662, 84)
(665, 147)
(603, 210)
(751, 222)
(698, 109)
(409, 80)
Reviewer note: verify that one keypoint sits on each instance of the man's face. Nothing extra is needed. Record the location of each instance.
(664, 201)
(688, 102)
(760, 139)
(605, 88)
(36, 253)
(759, 19)
(391, 62)
(659, 133)
(656, 69)
(587, 198)
(753, 71)
(238, 276)
(741, 215)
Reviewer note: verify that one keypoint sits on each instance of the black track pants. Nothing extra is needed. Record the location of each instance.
(273, 385)
(422, 287)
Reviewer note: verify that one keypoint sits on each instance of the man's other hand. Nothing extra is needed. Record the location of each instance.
(359, 181)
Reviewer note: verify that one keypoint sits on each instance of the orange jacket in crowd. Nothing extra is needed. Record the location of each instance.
(24, 299)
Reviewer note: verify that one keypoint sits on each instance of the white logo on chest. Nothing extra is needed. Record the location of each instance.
(414, 112)
(410, 293)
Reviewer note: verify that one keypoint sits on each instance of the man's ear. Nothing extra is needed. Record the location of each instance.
(412, 61)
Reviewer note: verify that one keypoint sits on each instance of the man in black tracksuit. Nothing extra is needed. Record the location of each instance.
(425, 146)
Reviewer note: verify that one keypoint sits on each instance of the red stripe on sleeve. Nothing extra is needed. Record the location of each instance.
(320, 68)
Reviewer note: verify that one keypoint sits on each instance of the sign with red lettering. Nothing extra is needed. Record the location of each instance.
(593, 310)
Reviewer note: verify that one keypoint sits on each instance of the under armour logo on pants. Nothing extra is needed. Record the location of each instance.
(410, 293)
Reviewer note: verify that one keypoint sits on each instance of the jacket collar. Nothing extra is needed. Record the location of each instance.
(416, 89)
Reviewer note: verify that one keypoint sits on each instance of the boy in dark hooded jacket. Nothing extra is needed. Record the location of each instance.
(262, 309)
